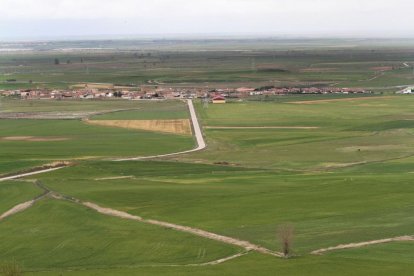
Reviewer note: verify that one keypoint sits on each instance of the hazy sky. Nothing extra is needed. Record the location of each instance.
(63, 18)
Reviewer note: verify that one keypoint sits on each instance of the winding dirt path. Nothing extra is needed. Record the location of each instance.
(195, 231)
(362, 244)
(223, 260)
(17, 209)
(21, 207)
(30, 173)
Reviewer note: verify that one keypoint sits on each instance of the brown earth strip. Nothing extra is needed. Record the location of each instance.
(22, 206)
(34, 138)
(179, 126)
(195, 231)
(362, 244)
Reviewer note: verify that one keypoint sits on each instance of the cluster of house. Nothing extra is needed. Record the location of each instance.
(172, 93)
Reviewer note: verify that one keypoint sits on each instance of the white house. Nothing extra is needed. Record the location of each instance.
(408, 90)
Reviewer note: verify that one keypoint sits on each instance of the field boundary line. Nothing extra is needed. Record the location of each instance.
(31, 173)
(198, 134)
(248, 246)
(349, 99)
(22, 206)
(362, 244)
(195, 231)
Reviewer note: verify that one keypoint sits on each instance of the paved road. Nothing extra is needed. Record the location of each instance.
(201, 144)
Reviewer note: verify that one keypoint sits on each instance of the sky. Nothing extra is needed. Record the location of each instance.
(163, 18)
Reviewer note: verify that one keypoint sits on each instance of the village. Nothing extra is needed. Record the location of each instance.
(148, 93)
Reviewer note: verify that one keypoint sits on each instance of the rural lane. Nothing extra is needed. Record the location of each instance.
(30, 173)
(201, 144)
(195, 231)
(362, 244)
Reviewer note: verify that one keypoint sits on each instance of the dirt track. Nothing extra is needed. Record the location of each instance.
(17, 209)
(362, 244)
(201, 144)
(22, 207)
(30, 173)
(245, 244)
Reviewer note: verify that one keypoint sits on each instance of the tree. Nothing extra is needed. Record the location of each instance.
(57, 62)
(285, 234)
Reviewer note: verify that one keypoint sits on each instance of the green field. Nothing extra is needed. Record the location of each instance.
(28, 142)
(148, 109)
(377, 64)
(56, 234)
(326, 208)
(15, 192)
(346, 133)
(338, 168)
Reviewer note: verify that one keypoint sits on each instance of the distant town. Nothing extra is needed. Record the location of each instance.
(144, 93)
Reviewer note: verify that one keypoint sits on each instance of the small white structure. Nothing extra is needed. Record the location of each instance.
(408, 90)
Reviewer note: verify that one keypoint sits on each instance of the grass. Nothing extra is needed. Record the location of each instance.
(60, 235)
(325, 208)
(83, 141)
(80, 140)
(264, 265)
(347, 132)
(16, 192)
(157, 111)
(400, 252)
(215, 63)
(7, 167)
(348, 180)
(146, 108)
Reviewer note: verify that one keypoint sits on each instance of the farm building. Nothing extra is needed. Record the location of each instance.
(219, 100)
(409, 90)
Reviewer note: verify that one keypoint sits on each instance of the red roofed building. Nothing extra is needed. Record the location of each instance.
(219, 100)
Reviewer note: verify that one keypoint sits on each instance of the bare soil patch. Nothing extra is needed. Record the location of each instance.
(34, 138)
(182, 127)
(195, 231)
(17, 209)
(318, 70)
(362, 244)
(382, 68)
(371, 148)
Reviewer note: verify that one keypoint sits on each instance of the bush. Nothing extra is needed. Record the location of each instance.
(10, 269)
